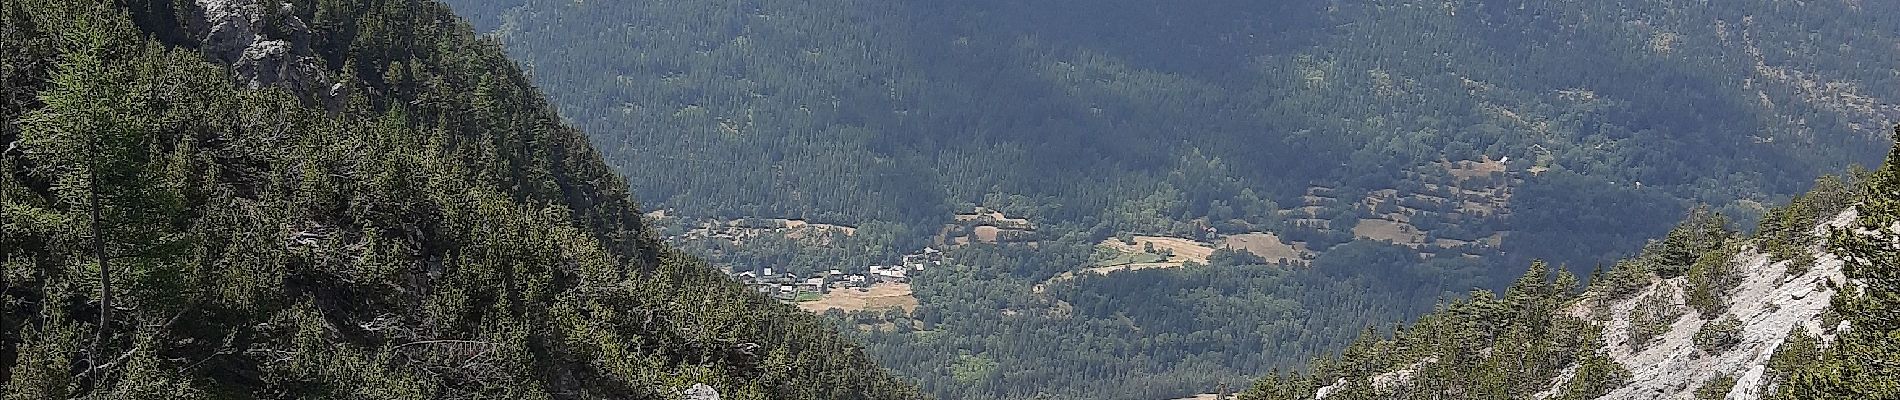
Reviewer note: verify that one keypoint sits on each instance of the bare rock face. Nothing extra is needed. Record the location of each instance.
(700, 391)
(1750, 385)
(274, 63)
(1329, 389)
(1769, 306)
(265, 48)
(1768, 303)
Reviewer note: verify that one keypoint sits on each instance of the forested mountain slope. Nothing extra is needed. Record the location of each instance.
(342, 199)
(1149, 118)
(1474, 136)
(1804, 309)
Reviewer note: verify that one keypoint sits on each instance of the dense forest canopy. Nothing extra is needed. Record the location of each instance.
(852, 112)
(1475, 136)
(342, 199)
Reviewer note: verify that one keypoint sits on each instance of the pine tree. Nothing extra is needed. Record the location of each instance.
(1864, 362)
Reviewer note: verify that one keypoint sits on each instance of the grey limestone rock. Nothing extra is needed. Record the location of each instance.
(265, 48)
(700, 391)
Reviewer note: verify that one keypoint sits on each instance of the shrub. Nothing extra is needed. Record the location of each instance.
(1625, 279)
(1715, 388)
(1785, 232)
(1596, 376)
(1652, 316)
(1710, 280)
(1704, 231)
(1798, 351)
(1232, 257)
(1800, 264)
(1720, 335)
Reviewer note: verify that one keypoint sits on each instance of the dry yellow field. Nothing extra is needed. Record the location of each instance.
(1268, 246)
(796, 224)
(878, 297)
(986, 233)
(1184, 250)
(994, 217)
(1449, 243)
(1396, 232)
(1474, 168)
(1106, 270)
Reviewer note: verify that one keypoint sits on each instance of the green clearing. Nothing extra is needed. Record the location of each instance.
(1131, 258)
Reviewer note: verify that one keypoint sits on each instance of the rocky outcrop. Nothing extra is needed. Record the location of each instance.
(265, 48)
(1329, 389)
(1751, 385)
(700, 391)
(1769, 303)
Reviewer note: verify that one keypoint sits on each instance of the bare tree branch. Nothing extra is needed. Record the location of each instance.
(90, 372)
(428, 342)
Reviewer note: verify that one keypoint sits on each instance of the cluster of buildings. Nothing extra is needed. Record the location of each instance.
(790, 286)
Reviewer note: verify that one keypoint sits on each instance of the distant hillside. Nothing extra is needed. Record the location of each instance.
(1474, 137)
(342, 199)
(1804, 309)
(1615, 116)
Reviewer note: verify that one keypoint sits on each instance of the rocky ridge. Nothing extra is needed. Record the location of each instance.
(265, 48)
(1770, 304)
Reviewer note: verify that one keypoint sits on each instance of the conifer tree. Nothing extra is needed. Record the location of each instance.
(1864, 362)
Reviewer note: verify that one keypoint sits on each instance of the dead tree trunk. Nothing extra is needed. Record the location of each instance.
(105, 270)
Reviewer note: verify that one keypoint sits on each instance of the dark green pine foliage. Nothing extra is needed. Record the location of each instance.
(436, 234)
(1149, 334)
(1864, 361)
(1481, 347)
